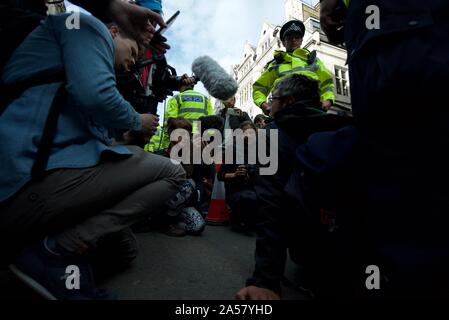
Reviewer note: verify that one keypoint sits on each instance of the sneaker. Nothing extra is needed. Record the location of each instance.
(193, 221)
(46, 273)
(182, 198)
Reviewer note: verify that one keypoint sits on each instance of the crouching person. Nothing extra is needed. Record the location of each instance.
(64, 197)
(183, 216)
(239, 178)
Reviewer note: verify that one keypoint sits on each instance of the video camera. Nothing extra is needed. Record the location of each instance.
(162, 82)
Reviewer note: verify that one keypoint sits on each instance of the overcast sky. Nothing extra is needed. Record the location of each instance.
(218, 28)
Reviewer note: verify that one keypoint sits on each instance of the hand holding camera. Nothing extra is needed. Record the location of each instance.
(241, 172)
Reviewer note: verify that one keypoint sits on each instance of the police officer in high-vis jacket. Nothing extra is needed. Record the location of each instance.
(189, 104)
(294, 60)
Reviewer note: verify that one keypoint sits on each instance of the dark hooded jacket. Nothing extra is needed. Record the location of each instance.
(275, 227)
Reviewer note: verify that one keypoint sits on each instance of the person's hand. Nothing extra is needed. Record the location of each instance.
(332, 18)
(186, 80)
(256, 293)
(159, 45)
(241, 172)
(137, 21)
(150, 123)
(326, 105)
(266, 108)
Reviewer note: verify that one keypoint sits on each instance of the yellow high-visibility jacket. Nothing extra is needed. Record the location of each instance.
(155, 143)
(300, 61)
(189, 104)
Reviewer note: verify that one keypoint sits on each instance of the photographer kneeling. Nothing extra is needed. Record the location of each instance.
(59, 209)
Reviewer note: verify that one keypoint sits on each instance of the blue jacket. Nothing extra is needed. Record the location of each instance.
(94, 106)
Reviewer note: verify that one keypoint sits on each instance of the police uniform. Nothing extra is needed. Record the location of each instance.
(155, 143)
(300, 61)
(189, 104)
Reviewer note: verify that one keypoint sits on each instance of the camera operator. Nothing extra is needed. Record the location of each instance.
(86, 189)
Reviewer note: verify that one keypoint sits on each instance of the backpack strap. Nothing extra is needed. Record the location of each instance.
(10, 92)
(48, 135)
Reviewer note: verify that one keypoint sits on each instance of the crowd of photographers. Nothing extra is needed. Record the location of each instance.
(89, 164)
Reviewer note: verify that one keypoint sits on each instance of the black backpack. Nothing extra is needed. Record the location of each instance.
(15, 25)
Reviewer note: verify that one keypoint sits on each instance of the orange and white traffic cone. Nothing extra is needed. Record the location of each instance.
(218, 211)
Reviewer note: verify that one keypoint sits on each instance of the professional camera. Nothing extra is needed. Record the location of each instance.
(145, 97)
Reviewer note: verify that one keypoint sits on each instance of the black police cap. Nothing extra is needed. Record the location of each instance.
(293, 26)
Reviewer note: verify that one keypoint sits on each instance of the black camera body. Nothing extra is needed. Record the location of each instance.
(145, 97)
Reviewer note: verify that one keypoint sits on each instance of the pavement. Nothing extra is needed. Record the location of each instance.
(213, 266)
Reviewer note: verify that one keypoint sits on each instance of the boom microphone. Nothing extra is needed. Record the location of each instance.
(215, 79)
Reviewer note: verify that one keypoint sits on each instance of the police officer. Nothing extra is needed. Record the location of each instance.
(189, 104)
(398, 55)
(294, 60)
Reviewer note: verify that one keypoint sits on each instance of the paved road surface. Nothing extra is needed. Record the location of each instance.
(212, 266)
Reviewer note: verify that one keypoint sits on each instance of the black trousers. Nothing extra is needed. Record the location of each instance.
(399, 95)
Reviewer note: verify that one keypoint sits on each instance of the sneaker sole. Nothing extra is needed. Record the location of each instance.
(31, 283)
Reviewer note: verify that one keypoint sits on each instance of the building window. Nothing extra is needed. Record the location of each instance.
(342, 81)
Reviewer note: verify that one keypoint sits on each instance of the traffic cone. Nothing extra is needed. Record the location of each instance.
(218, 211)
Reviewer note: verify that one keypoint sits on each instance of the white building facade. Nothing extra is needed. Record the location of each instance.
(255, 58)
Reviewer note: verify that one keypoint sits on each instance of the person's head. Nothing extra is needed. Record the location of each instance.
(292, 34)
(178, 123)
(294, 89)
(230, 103)
(185, 87)
(259, 121)
(247, 126)
(126, 49)
(211, 122)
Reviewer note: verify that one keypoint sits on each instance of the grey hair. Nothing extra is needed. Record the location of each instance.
(300, 87)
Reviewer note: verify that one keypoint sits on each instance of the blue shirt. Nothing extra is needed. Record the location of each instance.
(94, 106)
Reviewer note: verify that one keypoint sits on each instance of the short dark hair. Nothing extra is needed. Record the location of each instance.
(260, 117)
(211, 122)
(178, 123)
(300, 87)
(245, 124)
